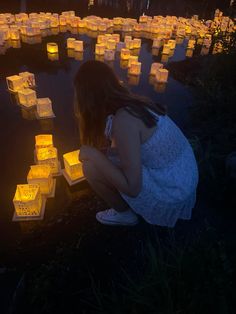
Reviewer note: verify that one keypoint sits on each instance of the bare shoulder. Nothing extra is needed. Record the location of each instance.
(123, 119)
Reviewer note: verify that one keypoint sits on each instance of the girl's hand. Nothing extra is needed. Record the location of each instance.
(87, 153)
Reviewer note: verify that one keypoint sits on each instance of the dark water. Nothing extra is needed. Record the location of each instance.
(54, 79)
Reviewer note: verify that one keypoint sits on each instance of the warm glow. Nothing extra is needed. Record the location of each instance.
(135, 68)
(41, 175)
(27, 200)
(44, 107)
(70, 43)
(73, 166)
(52, 48)
(49, 157)
(162, 75)
(27, 97)
(29, 79)
(15, 83)
(125, 54)
(79, 45)
(43, 141)
(154, 67)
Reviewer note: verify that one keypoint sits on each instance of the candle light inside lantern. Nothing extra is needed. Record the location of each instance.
(52, 48)
(154, 67)
(43, 141)
(162, 75)
(100, 49)
(27, 200)
(125, 54)
(166, 49)
(79, 45)
(135, 68)
(49, 157)
(15, 83)
(29, 79)
(41, 175)
(111, 44)
(73, 167)
(132, 59)
(44, 108)
(70, 43)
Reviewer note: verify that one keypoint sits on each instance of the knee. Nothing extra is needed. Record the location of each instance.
(89, 170)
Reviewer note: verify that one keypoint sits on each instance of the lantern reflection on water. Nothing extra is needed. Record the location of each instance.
(42, 175)
(28, 202)
(73, 167)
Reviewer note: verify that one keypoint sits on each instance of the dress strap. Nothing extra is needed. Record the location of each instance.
(156, 116)
(108, 128)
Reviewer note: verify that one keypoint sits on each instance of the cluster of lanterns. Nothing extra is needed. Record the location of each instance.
(23, 85)
(30, 199)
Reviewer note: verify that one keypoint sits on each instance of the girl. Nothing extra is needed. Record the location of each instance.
(149, 169)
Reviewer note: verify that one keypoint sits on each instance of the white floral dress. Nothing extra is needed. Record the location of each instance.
(169, 175)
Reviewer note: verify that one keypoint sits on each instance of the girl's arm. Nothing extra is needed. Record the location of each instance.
(126, 135)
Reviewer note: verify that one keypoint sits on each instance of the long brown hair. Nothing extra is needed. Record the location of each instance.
(99, 93)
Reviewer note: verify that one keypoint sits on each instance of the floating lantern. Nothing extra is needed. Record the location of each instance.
(27, 97)
(111, 44)
(44, 108)
(129, 44)
(162, 75)
(79, 45)
(70, 43)
(191, 44)
(42, 175)
(102, 27)
(116, 37)
(143, 19)
(15, 83)
(100, 49)
(172, 43)
(43, 141)
(127, 38)
(117, 20)
(164, 58)
(131, 60)
(73, 167)
(52, 48)
(135, 68)
(157, 43)
(154, 67)
(109, 55)
(125, 54)
(16, 44)
(49, 157)
(14, 34)
(137, 43)
(28, 202)
(28, 78)
(62, 21)
(155, 51)
(166, 49)
(101, 39)
(189, 53)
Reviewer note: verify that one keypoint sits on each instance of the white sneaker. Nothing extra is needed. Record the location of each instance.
(115, 218)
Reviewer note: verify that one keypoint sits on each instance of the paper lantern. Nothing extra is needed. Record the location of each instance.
(27, 201)
(52, 48)
(41, 175)
(116, 37)
(135, 68)
(109, 55)
(15, 83)
(27, 97)
(132, 59)
(101, 39)
(100, 49)
(154, 67)
(125, 54)
(28, 78)
(162, 75)
(43, 141)
(157, 43)
(62, 21)
(14, 34)
(70, 43)
(117, 20)
(166, 49)
(127, 38)
(137, 43)
(111, 44)
(129, 44)
(79, 45)
(44, 108)
(73, 167)
(189, 53)
(48, 156)
(172, 43)
(191, 44)
(102, 27)
(143, 19)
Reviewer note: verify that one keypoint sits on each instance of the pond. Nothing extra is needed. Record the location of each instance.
(54, 79)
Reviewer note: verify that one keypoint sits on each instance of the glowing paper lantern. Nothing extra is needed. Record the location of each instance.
(27, 97)
(42, 175)
(44, 108)
(28, 202)
(111, 44)
(166, 49)
(135, 68)
(109, 55)
(154, 67)
(157, 43)
(28, 78)
(116, 37)
(100, 49)
(125, 54)
(162, 75)
(132, 59)
(48, 156)
(43, 141)
(70, 43)
(79, 45)
(52, 48)
(14, 34)
(172, 43)
(129, 44)
(15, 83)
(191, 44)
(137, 43)
(73, 167)
(101, 39)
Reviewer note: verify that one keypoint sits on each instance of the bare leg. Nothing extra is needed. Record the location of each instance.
(105, 190)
